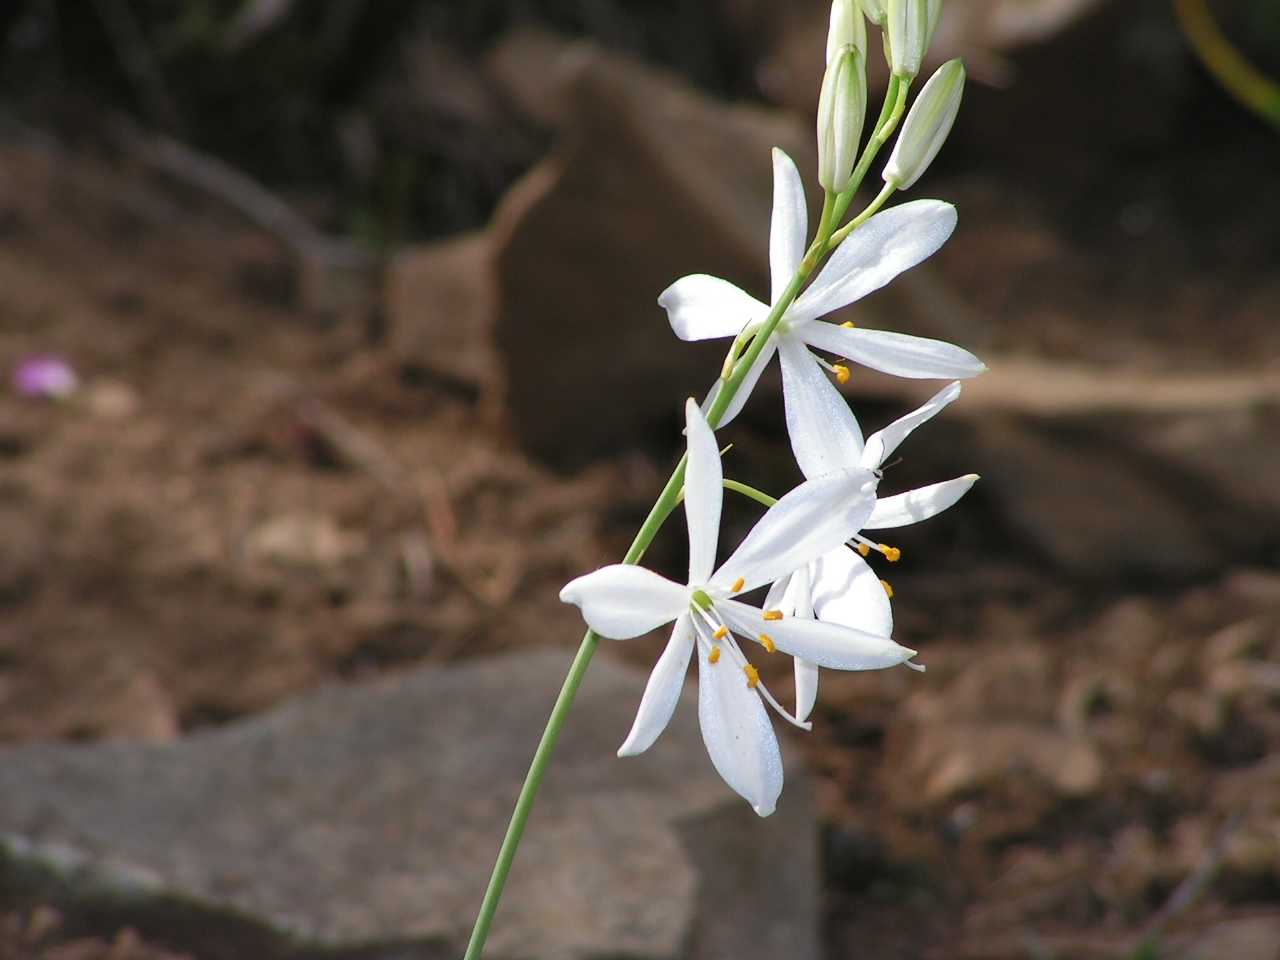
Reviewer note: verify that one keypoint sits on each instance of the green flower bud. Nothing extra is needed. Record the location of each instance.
(909, 26)
(847, 28)
(927, 125)
(842, 108)
(874, 9)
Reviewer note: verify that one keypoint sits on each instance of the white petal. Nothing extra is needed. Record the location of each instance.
(882, 443)
(806, 688)
(790, 224)
(887, 244)
(825, 437)
(703, 493)
(738, 734)
(847, 592)
(780, 596)
(744, 390)
(899, 354)
(702, 307)
(662, 692)
(622, 600)
(919, 504)
(823, 644)
(815, 517)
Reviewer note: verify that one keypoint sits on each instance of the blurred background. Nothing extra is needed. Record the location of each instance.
(331, 349)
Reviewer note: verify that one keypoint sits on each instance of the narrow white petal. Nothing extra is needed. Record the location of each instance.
(702, 307)
(815, 517)
(790, 223)
(622, 601)
(887, 244)
(703, 492)
(738, 734)
(899, 354)
(825, 437)
(847, 592)
(882, 443)
(806, 688)
(823, 644)
(662, 692)
(780, 595)
(748, 384)
(919, 504)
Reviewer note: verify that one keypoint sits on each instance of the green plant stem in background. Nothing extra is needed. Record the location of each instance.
(662, 508)
(759, 496)
(1241, 79)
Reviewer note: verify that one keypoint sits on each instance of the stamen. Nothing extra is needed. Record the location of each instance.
(721, 632)
(714, 655)
(772, 615)
(892, 554)
(766, 641)
(849, 325)
(753, 676)
(887, 588)
(738, 585)
(863, 549)
(842, 372)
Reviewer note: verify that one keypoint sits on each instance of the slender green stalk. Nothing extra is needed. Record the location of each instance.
(759, 496)
(895, 105)
(1241, 79)
(839, 236)
(662, 508)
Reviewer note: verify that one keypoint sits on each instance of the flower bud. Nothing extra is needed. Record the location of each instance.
(909, 26)
(874, 9)
(842, 108)
(927, 125)
(847, 27)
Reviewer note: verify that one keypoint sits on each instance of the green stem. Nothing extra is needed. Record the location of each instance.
(895, 105)
(662, 508)
(1238, 76)
(759, 496)
(839, 236)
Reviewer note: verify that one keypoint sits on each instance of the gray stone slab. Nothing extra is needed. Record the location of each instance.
(363, 821)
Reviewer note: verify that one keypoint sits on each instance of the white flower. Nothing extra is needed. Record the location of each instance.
(702, 307)
(839, 587)
(622, 601)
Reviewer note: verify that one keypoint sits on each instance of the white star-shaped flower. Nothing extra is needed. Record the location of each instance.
(840, 587)
(622, 601)
(702, 307)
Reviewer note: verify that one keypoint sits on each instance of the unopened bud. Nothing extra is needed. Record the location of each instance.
(909, 26)
(927, 125)
(874, 9)
(847, 28)
(842, 107)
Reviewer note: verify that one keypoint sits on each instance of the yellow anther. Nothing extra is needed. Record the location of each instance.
(766, 641)
(714, 655)
(753, 676)
(842, 372)
(721, 632)
(848, 324)
(863, 549)
(738, 585)
(773, 614)
(887, 588)
(892, 554)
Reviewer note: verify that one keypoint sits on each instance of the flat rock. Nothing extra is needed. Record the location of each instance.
(363, 822)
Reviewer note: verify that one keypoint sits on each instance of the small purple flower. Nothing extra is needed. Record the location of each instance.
(45, 375)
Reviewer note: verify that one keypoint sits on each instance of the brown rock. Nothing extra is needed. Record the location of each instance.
(1243, 938)
(1090, 510)
(440, 301)
(650, 182)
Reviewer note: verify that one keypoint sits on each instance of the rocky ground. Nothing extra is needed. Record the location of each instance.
(276, 476)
